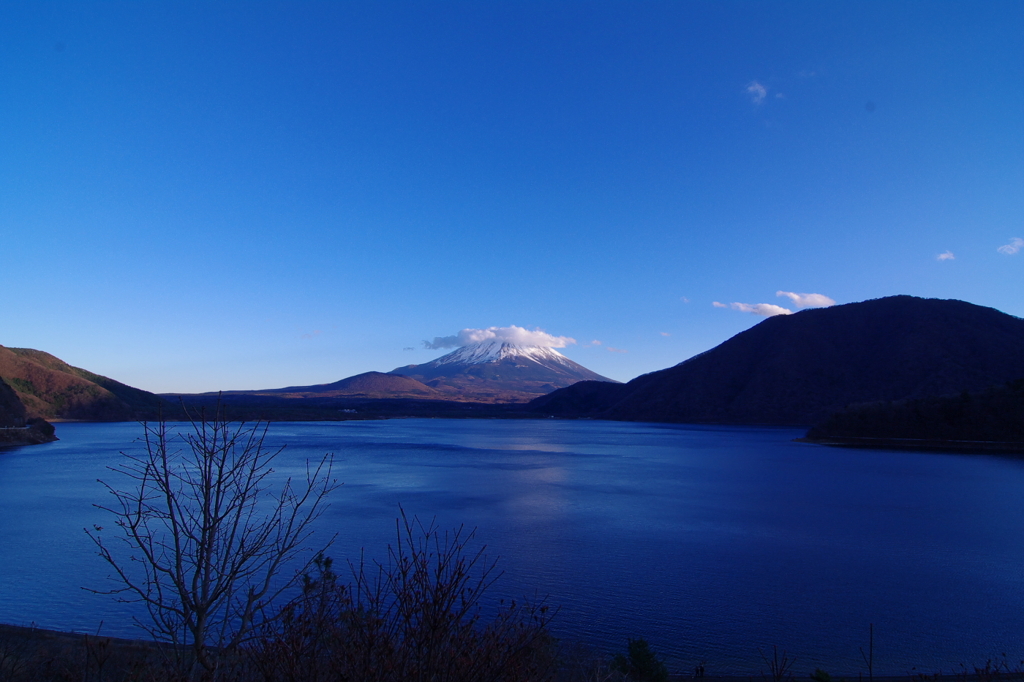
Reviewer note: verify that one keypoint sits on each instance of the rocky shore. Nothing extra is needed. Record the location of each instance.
(35, 432)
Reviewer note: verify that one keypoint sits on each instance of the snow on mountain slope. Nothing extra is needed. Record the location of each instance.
(500, 367)
(493, 351)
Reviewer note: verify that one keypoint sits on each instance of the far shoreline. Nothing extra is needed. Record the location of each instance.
(965, 447)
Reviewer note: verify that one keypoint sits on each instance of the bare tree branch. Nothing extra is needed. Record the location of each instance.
(207, 538)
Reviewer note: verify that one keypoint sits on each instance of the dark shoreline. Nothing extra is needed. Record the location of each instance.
(35, 434)
(57, 653)
(920, 444)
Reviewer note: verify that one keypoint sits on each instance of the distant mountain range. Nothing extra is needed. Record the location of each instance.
(798, 369)
(485, 372)
(374, 385)
(34, 384)
(788, 370)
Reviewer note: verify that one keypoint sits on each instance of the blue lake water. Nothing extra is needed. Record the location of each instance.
(710, 542)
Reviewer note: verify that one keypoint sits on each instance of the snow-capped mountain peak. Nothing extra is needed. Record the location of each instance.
(502, 368)
(495, 350)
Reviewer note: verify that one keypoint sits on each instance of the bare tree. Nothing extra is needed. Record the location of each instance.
(208, 541)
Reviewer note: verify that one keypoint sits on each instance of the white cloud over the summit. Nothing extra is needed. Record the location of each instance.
(807, 300)
(510, 334)
(1015, 245)
(946, 255)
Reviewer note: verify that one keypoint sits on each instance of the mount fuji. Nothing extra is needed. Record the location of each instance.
(500, 370)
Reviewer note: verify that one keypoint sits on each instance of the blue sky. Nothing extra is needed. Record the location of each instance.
(204, 196)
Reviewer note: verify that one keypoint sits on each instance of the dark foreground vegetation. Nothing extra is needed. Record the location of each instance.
(990, 420)
(31, 654)
(416, 616)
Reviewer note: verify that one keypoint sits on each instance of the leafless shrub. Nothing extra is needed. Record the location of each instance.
(780, 668)
(414, 617)
(12, 661)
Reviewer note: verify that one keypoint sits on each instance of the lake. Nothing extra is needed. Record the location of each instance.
(710, 542)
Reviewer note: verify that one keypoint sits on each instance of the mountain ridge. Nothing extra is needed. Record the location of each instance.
(49, 388)
(367, 384)
(797, 369)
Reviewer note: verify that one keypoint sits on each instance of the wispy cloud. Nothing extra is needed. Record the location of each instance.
(595, 342)
(807, 300)
(1015, 245)
(510, 334)
(408, 348)
(664, 333)
(312, 335)
(616, 350)
(756, 91)
(684, 299)
(945, 255)
(763, 309)
(770, 309)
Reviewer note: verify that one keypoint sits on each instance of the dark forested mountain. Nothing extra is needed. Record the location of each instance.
(12, 411)
(49, 388)
(992, 415)
(797, 369)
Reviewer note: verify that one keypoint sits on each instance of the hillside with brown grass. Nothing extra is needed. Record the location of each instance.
(52, 389)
